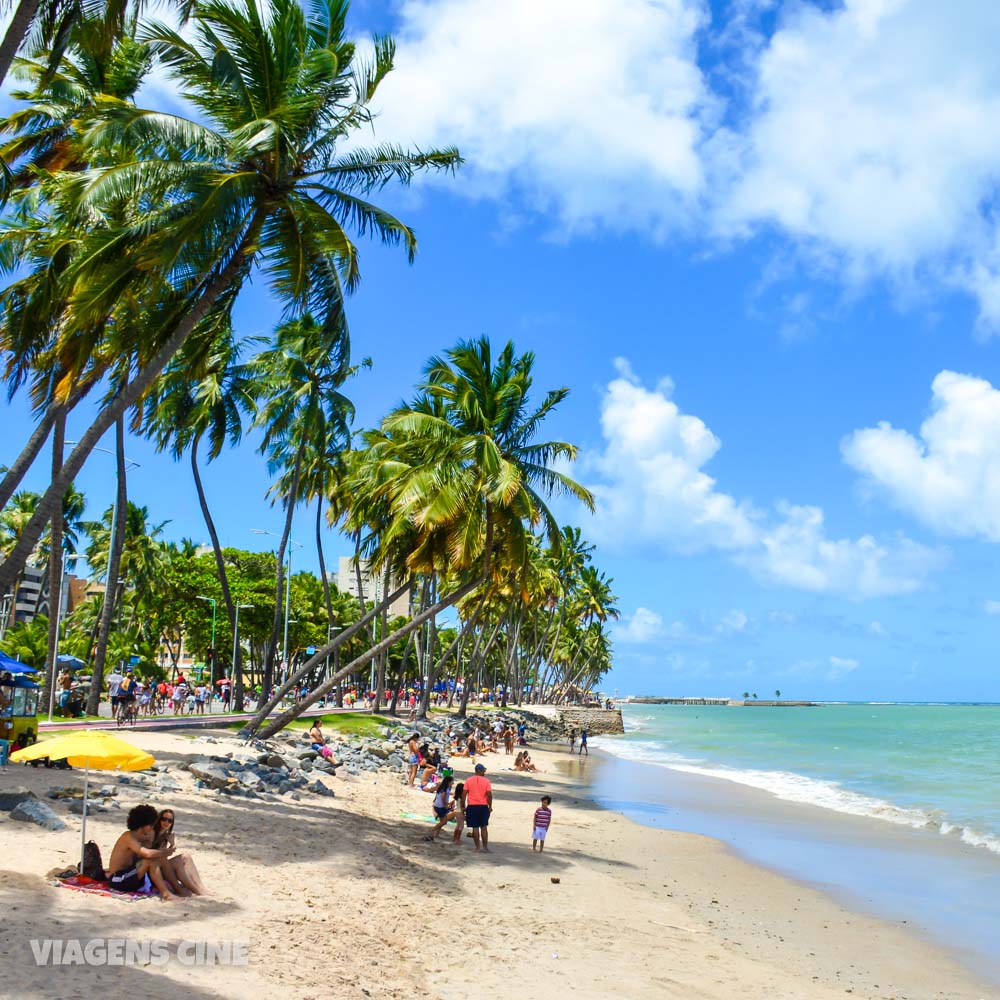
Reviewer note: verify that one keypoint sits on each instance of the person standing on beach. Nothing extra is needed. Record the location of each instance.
(540, 826)
(477, 803)
(583, 743)
(414, 759)
(572, 739)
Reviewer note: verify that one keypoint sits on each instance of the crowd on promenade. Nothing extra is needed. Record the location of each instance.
(181, 695)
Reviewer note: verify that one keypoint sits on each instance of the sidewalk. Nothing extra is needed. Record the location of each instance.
(177, 721)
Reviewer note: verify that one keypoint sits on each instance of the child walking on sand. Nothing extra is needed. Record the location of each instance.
(458, 812)
(542, 821)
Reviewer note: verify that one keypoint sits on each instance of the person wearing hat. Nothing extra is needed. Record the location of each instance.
(477, 802)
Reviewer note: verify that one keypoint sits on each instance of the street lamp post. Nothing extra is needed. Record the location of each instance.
(288, 583)
(59, 615)
(288, 667)
(211, 600)
(236, 634)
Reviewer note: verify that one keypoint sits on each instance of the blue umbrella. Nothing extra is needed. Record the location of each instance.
(71, 660)
(15, 666)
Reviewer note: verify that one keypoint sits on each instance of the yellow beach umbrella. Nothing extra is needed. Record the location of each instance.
(88, 749)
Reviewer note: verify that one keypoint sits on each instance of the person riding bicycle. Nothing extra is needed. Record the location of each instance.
(127, 692)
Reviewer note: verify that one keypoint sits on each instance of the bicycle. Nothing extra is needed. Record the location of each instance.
(128, 714)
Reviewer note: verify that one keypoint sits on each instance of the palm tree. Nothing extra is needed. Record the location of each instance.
(52, 23)
(171, 230)
(205, 391)
(14, 518)
(28, 641)
(301, 405)
(103, 61)
(458, 472)
(135, 558)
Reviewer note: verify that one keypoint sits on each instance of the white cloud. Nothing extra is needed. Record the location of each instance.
(783, 617)
(641, 626)
(840, 667)
(590, 109)
(991, 607)
(735, 620)
(796, 551)
(833, 668)
(864, 131)
(654, 487)
(878, 629)
(872, 130)
(948, 477)
(652, 490)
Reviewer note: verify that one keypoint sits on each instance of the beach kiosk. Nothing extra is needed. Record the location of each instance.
(18, 712)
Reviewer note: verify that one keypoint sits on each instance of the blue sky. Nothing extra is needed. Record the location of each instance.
(758, 241)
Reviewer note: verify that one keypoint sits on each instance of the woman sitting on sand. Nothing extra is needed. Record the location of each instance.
(519, 761)
(318, 741)
(178, 871)
(526, 764)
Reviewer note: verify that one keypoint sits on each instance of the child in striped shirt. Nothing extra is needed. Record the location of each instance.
(543, 817)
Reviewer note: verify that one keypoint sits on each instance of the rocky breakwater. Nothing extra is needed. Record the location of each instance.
(388, 752)
(597, 721)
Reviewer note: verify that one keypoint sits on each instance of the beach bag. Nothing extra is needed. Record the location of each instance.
(93, 866)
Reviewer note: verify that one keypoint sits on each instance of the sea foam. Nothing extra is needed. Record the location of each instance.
(792, 787)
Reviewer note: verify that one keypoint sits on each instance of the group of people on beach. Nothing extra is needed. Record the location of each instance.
(145, 857)
(469, 803)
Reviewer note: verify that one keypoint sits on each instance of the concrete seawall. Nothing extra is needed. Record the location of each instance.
(597, 721)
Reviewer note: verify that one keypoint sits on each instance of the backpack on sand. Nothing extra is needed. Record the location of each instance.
(93, 866)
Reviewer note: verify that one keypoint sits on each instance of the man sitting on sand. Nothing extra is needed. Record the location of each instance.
(133, 864)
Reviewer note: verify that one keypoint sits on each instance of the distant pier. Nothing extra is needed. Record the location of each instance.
(731, 702)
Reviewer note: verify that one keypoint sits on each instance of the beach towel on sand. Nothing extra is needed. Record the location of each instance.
(83, 884)
(420, 816)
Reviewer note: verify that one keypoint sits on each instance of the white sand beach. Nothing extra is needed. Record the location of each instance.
(342, 897)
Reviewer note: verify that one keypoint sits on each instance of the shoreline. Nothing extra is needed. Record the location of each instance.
(343, 897)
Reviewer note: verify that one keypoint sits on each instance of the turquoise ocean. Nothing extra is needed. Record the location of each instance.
(894, 808)
(929, 767)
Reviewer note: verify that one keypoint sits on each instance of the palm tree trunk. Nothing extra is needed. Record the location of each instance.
(55, 559)
(322, 562)
(475, 661)
(12, 478)
(291, 714)
(220, 562)
(399, 675)
(117, 542)
(290, 501)
(24, 461)
(380, 671)
(16, 33)
(125, 398)
(446, 655)
(331, 647)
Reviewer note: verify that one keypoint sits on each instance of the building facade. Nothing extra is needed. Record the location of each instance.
(372, 586)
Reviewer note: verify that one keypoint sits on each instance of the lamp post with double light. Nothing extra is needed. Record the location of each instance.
(288, 584)
(211, 600)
